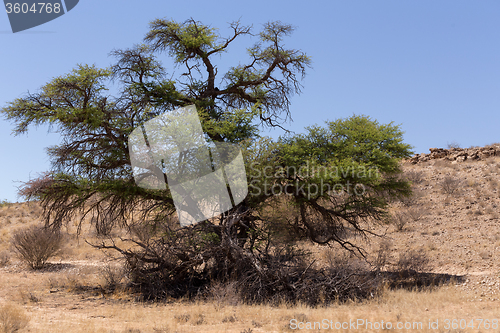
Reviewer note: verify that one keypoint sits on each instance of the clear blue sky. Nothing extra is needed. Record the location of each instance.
(431, 66)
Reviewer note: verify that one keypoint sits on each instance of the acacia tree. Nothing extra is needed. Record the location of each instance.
(91, 174)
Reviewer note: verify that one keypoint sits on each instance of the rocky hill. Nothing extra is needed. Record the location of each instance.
(458, 154)
(454, 216)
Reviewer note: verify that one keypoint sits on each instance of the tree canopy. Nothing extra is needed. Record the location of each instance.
(332, 181)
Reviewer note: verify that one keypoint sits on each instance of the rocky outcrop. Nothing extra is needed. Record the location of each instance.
(458, 154)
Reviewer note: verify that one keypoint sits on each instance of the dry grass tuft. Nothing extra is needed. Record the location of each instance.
(224, 294)
(12, 319)
(382, 255)
(458, 233)
(414, 176)
(413, 260)
(4, 258)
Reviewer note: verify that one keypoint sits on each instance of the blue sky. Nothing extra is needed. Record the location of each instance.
(431, 66)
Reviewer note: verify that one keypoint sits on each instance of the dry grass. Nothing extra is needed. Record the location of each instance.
(82, 290)
(392, 306)
(4, 258)
(12, 318)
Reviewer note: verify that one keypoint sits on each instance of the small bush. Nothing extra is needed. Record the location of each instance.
(199, 319)
(29, 297)
(35, 245)
(383, 254)
(4, 203)
(413, 199)
(414, 176)
(453, 144)
(112, 276)
(225, 294)
(400, 220)
(417, 213)
(4, 258)
(12, 319)
(183, 318)
(229, 319)
(450, 185)
(412, 261)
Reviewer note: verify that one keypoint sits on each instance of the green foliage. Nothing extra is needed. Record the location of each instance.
(92, 166)
(333, 178)
(71, 101)
(182, 40)
(356, 149)
(256, 241)
(5, 203)
(351, 151)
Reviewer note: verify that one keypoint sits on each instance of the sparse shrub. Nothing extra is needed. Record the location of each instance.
(103, 225)
(183, 318)
(383, 254)
(35, 245)
(413, 199)
(413, 261)
(4, 258)
(224, 293)
(112, 276)
(417, 213)
(453, 144)
(400, 219)
(142, 231)
(199, 319)
(132, 330)
(29, 296)
(4, 203)
(450, 185)
(415, 176)
(12, 319)
(229, 319)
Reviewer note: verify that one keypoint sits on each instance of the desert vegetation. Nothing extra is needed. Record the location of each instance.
(92, 251)
(442, 265)
(335, 181)
(36, 244)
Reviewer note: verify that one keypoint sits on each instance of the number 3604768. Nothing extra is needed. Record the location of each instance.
(36, 8)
